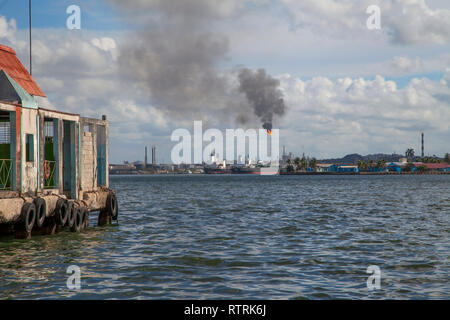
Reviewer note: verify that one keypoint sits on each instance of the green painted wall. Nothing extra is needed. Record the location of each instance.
(5, 151)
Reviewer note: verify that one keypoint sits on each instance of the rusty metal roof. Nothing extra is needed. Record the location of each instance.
(12, 65)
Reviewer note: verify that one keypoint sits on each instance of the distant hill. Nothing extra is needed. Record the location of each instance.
(354, 158)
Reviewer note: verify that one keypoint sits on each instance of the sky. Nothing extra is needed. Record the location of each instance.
(347, 89)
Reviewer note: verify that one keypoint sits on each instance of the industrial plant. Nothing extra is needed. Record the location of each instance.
(289, 164)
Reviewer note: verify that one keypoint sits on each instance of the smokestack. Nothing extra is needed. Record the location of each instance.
(423, 145)
(145, 160)
(153, 155)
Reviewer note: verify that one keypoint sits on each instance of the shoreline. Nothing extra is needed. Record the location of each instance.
(292, 174)
(361, 173)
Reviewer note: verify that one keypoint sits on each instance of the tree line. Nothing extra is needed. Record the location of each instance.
(303, 164)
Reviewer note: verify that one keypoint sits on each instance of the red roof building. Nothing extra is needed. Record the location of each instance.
(15, 69)
(436, 166)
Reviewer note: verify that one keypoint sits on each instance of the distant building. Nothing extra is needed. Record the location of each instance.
(395, 166)
(122, 169)
(348, 169)
(139, 165)
(285, 157)
(439, 167)
(326, 167)
(377, 169)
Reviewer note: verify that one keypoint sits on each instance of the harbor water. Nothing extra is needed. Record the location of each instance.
(248, 237)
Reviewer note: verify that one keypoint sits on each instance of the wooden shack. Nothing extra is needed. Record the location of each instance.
(53, 164)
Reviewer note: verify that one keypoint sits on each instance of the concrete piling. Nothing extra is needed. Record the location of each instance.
(13, 224)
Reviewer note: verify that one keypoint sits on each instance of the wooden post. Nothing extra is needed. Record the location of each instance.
(104, 218)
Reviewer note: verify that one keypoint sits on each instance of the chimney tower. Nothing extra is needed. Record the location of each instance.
(423, 145)
(145, 160)
(153, 155)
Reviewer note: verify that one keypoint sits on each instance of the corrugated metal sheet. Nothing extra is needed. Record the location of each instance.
(11, 64)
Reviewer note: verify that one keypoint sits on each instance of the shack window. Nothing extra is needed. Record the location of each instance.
(49, 132)
(5, 132)
(50, 153)
(30, 148)
(48, 129)
(6, 163)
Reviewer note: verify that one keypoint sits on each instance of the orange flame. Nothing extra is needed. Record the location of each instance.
(269, 132)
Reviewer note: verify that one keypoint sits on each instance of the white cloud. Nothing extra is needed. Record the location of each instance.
(79, 73)
(261, 38)
(404, 63)
(399, 66)
(7, 29)
(359, 115)
(328, 116)
(403, 21)
(106, 44)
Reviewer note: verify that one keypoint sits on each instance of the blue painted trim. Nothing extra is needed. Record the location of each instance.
(21, 152)
(13, 149)
(79, 152)
(38, 154)
(56, 150)
(27, 100)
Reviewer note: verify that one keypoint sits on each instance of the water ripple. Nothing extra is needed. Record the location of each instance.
(242, 237)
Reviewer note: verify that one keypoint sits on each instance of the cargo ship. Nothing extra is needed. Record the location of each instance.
(258, 170)
(217, 170)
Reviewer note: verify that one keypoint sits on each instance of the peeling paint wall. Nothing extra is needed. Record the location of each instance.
(87, 162)
(28, 178)
(29, 168)
(91, 143)
(28, 160)
(58, 119)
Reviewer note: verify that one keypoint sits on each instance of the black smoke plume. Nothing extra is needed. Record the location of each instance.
(263, 94)
(172, 60)
(173, 54)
